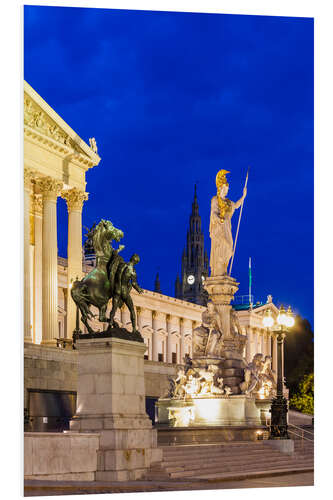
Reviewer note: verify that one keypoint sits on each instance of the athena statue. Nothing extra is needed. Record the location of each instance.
(222, 209)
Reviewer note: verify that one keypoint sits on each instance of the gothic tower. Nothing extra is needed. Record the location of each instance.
(194, 261)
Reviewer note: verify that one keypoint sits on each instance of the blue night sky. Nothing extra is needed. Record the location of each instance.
(172, 98)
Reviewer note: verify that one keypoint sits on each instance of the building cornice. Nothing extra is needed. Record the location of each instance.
(42, 124)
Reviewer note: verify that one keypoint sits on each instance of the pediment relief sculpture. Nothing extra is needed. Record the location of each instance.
(37, 119)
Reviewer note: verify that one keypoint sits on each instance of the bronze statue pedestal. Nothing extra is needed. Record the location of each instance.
(111, 402)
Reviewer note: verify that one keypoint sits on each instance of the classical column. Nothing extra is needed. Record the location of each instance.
(269, 344)
(50, 189)
(255, 341)
(74, 198)
(182, 340)
(38, 277)
(154, 336)
(169, 339)
(259, 341)
(28, 175)
(248, 352)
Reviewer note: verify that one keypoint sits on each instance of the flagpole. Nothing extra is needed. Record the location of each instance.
(239, 219)
(250, 283)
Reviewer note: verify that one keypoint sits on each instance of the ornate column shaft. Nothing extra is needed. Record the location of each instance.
(221, 290)
(269, 344)
(74, 198)
(169, 339)
(50, 189)
(248, 353)
(38, 277)
(28, 176)
(154, 337)
(182, 340)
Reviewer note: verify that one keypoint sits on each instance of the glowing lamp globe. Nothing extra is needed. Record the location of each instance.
(282, 317)
(290, 318)
(268, 320)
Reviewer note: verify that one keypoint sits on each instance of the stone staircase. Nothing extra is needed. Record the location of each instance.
(231, 459)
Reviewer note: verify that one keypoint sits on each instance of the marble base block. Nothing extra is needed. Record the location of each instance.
(111, 402)
(212, 411)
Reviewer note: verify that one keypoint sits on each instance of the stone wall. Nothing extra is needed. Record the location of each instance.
(156, 378)
(49, 368)
(56, 369)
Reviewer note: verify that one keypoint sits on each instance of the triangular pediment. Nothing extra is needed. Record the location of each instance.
(42, 119)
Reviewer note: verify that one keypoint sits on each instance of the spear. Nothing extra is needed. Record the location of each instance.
(239, 219)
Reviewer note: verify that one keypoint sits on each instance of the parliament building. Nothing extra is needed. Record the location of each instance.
(56, 160)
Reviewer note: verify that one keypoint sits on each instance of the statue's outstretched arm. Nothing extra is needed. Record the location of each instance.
(238, 203)
(136, 286)
(120, 248)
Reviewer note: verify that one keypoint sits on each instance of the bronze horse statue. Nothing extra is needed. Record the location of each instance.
(111, 278)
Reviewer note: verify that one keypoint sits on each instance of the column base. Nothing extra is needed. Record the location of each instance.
(49, 343)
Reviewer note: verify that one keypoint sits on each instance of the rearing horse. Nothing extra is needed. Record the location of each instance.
(96, 288)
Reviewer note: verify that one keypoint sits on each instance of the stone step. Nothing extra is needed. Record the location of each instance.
(228, 448)
(242, 469)
(220, 458)
(184, 461)
(236, 463)
(163, 475)
(220, 455)
(226, 444)
(255, 474)
(206, 449)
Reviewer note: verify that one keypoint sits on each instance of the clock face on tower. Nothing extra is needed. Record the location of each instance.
(190, 279)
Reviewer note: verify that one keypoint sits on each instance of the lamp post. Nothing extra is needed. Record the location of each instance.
(279, 407)
(77, 330)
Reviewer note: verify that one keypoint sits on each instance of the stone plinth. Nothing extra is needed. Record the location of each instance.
(264, 406)
(213, 411)
(111, 401)
(67, 456)
(221, 291)
(232, 370)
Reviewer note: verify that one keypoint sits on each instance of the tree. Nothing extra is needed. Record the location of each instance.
(303, 400)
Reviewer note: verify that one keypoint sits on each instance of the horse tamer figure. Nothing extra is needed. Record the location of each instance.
(111, 278)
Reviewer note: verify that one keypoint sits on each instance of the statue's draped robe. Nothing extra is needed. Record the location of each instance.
(221, 238)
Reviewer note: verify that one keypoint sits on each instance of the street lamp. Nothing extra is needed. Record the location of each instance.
(279, 408)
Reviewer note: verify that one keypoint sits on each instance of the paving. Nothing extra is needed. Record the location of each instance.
(53, 488)
(203, 467)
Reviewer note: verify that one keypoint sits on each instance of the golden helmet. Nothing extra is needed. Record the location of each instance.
(221, 178)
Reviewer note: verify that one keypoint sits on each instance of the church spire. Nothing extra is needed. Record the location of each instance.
(177, 288)
(194, 260)
(157, 286)
(195, 206)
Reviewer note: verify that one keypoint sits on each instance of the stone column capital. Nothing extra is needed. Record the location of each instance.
(29, 175)
(49, 187)
(37, 204)
(74, 198)
(158, 315)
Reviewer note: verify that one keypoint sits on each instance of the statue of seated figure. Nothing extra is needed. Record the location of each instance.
(208, 338)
